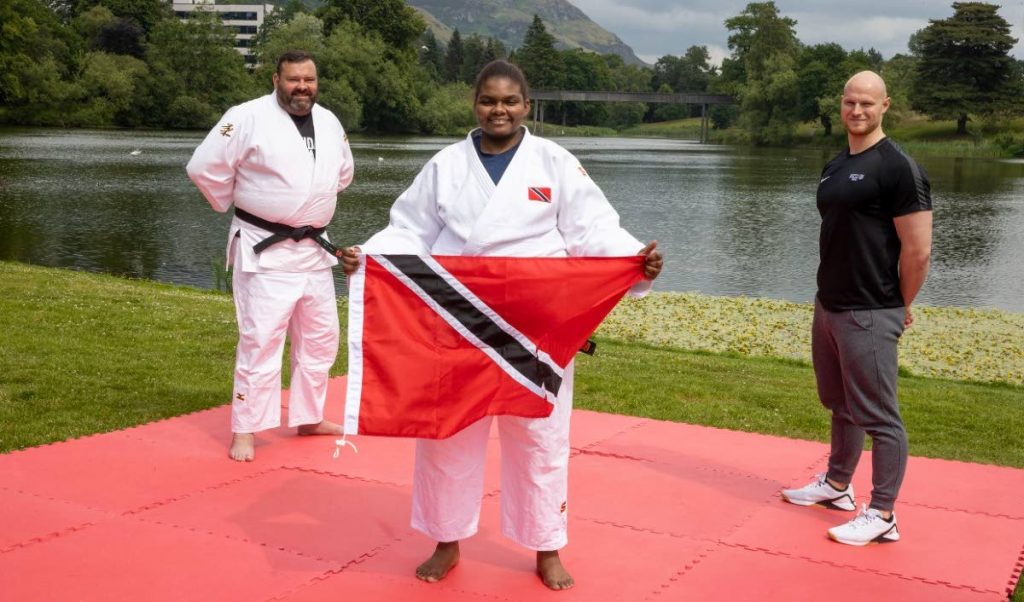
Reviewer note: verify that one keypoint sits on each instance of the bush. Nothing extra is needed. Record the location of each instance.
(1010, 144)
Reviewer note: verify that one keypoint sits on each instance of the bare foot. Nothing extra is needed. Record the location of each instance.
(324, 427)
(551, 571)
(243, 448)
(444, 559)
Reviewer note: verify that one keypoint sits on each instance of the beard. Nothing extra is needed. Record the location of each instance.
(297, 104)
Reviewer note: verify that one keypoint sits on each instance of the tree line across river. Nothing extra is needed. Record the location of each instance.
(132, 63)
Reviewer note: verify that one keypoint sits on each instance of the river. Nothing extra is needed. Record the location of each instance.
(730, 221)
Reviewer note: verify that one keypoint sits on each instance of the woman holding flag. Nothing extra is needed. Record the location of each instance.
(503, 192)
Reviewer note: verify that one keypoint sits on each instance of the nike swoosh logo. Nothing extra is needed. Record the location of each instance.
(825, 178)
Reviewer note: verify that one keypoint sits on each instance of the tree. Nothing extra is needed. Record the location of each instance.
(495, 50)
(176, 93)
(964, 65)
(275, 19)
(474, 57)
(763, 65)
(110, 82)
(585, 71)
(819, 81)
(538, 58)
(691, 72)
(453, 58)
(147, 13)
(431, 56)
(302, 31)
(37, 62)
(899, 73)
(390, 91)
(398, 25)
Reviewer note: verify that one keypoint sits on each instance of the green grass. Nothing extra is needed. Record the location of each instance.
(973, 422)
(85, 353)
(688, 129)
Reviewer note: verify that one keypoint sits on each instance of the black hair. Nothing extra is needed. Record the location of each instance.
(293, 56)
(500, 68)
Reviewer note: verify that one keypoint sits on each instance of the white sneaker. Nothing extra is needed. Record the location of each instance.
(819, 491)
(868, 527)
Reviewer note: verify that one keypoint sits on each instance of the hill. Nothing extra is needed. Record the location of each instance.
(507, 20)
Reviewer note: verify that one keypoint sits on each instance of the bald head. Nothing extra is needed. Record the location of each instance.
(864, 103)
(866, 82)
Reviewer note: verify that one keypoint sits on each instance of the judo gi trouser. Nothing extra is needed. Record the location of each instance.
(855, 363)
(449, 478)
(268, 306)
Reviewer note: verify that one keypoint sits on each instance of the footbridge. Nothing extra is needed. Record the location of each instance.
(686, 98)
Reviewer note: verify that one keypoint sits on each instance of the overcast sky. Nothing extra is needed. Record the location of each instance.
(654, 28)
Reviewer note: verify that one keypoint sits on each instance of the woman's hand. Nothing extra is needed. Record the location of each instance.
(350, 260)
(652, 260)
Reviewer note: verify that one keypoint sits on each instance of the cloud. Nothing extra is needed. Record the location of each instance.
(654, 28)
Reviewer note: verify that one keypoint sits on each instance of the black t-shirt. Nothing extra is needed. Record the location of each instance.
(858, 197)
(305, 125)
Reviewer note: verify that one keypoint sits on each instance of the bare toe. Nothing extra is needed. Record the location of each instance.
(551, 571)
(243, 447)
(443, 560)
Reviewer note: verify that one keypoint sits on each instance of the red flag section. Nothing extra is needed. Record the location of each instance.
(436, 343)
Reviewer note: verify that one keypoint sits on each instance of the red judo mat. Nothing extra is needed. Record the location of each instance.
(657, 511)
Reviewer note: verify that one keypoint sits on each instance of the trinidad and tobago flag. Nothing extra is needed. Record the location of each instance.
(537, 193)
(436, 343)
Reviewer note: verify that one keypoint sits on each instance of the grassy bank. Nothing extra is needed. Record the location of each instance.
(982, 345)
(917, 135)
(83, 353)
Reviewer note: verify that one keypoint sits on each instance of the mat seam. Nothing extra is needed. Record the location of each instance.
(47, 537)
(859, 569)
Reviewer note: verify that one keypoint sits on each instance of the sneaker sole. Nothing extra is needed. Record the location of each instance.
(824, 504)
(850, 542)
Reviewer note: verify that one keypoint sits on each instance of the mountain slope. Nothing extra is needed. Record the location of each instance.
(507, 20)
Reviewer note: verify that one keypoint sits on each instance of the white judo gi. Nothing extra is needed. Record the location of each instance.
(454, 208)
(256, 159)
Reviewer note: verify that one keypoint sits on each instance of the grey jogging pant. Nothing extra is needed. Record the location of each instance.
(854, 354)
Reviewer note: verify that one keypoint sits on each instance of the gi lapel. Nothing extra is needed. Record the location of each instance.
(499, 196)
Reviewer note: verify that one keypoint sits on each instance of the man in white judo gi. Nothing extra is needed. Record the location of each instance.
(281, 160)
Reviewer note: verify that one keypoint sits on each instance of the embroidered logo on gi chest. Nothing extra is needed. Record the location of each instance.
(226, 129)
(536, 193)
(856, 177)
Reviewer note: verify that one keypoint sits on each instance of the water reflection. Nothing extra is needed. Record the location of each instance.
(731, 221)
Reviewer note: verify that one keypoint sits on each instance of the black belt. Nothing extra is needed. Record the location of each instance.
(282, 232)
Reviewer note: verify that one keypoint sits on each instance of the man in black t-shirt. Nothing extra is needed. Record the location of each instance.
(875, 244)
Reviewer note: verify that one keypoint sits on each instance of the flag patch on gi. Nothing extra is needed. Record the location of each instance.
(436, 343)
(536, 193)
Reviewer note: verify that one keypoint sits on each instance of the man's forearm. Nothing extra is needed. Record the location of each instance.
(913, 271)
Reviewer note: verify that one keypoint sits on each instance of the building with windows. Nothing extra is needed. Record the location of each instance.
(244, 19)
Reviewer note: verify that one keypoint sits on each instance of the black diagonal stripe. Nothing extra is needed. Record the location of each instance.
(478, 323)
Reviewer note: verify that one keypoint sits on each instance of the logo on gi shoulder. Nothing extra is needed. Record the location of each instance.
(536, 193)
(226, 129)
(856, 177)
